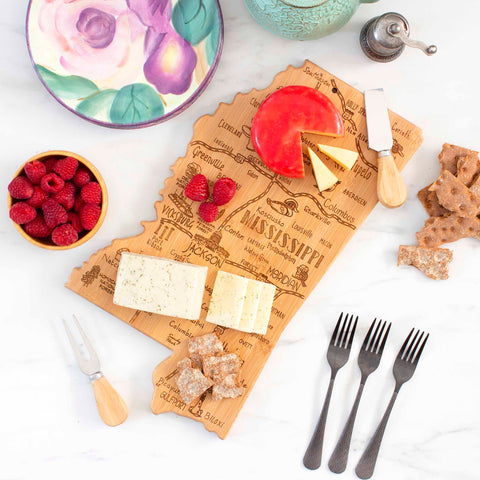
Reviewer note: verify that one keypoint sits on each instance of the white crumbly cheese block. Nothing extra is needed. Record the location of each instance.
(250, 306)
(227, 300)
(264, 309)
(160, 285)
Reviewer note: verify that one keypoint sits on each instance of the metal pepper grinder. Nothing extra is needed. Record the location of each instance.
(383, 38)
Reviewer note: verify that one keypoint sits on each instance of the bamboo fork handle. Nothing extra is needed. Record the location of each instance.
(391, 189)
(110, 404)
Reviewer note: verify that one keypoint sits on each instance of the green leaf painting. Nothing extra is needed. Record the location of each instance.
(194, 19)
(68, 87)
(136, 103)
(97, 103)
(211, 44)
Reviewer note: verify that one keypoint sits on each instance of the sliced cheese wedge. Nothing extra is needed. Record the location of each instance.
(264, 309)
(345, 158)
(228, 298)
(250, 306)
(325, 178)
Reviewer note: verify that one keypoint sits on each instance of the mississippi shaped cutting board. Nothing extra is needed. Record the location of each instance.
(276, 229)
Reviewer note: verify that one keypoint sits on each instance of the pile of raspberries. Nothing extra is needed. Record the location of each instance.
(56, 199)
(197, 190)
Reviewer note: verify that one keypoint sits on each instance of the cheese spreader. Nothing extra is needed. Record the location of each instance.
(111, 407)
(391, 190)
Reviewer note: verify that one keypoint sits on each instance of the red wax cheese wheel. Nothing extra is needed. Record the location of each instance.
(280, 121)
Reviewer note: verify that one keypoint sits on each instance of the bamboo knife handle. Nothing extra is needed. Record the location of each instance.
(110, 404)
(391, 190)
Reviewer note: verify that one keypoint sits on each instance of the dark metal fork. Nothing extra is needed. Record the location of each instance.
(403, 370)
(368, 361)
(337, 356)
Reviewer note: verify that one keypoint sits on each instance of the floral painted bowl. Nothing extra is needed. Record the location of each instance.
(125, 63)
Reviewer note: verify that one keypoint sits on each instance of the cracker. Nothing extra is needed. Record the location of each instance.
(201, 347)
(433, 262)
(455, 196)
(217, 368)
(430, 202)
(475, 187)
(450, 155)
(192, 384)
(227, 389)
(468, 168)
(440, 230)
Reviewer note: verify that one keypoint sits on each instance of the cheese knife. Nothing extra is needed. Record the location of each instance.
(391, 190)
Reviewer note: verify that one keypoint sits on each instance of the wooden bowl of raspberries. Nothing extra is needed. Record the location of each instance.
(57, 200)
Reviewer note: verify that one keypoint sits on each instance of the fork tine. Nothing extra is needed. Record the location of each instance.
(352, 334)
(420, 350)
(405, 343)
(412, 343)
(338, 342)
(415, 347)
(379, 337)
(382, 345)
(375, 335)
(345, 337)
(73, 343)
(337, 326)
(367, 336)
(91, 351)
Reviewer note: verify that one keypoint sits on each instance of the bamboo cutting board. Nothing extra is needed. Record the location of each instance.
(276, 229)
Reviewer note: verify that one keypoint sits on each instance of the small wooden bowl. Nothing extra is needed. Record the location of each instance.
(47, 243)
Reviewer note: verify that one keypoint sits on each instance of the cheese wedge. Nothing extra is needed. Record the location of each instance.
(345, 158)
(250, 306)
(228, 297)
(160, 285)
(264, 309)
(324, 177)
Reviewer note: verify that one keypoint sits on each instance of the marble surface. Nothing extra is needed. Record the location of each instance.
(49, 427)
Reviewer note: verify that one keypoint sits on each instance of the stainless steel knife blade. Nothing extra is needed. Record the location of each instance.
(378, 121)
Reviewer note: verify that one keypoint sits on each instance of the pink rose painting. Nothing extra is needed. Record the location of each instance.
(125, 63)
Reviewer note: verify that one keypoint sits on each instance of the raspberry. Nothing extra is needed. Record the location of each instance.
(74, 219)
(22, 212)
(89, 215)
(38, 228)
(197, 188)
(20, 188)
(208, 211)
(223, 191)
(54, 213)
(35, 170)
(79, 203)
(66, 196)
(38, 198)
(91, 193)
(66, 167)
(52, 183)
(82, 177)
(64, 235)
(50, 164)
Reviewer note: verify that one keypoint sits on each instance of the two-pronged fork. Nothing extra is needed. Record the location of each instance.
(403, 370)
(337, 356)
(368, 361)
(111, 407)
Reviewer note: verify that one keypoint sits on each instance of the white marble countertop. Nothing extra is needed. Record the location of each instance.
(49, 427)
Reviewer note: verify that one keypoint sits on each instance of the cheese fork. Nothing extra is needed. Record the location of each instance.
(111, 407)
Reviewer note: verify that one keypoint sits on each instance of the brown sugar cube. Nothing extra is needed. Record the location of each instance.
(440, 230)
(227, 389)
(455, 196)
(183, 364)
(206, 345)
(430, 202)
(450, 155)
(468, 168)
(217, 368)
(433, 262)
(192, 383)
(475, 187)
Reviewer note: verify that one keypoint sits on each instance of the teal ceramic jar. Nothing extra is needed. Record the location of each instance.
(303, 19)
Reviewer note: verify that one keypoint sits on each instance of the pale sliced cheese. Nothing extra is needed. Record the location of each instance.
(264, 309)
(324, 177)
(160, 285)
(228, 297)
(345, 158)
(250, 306)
